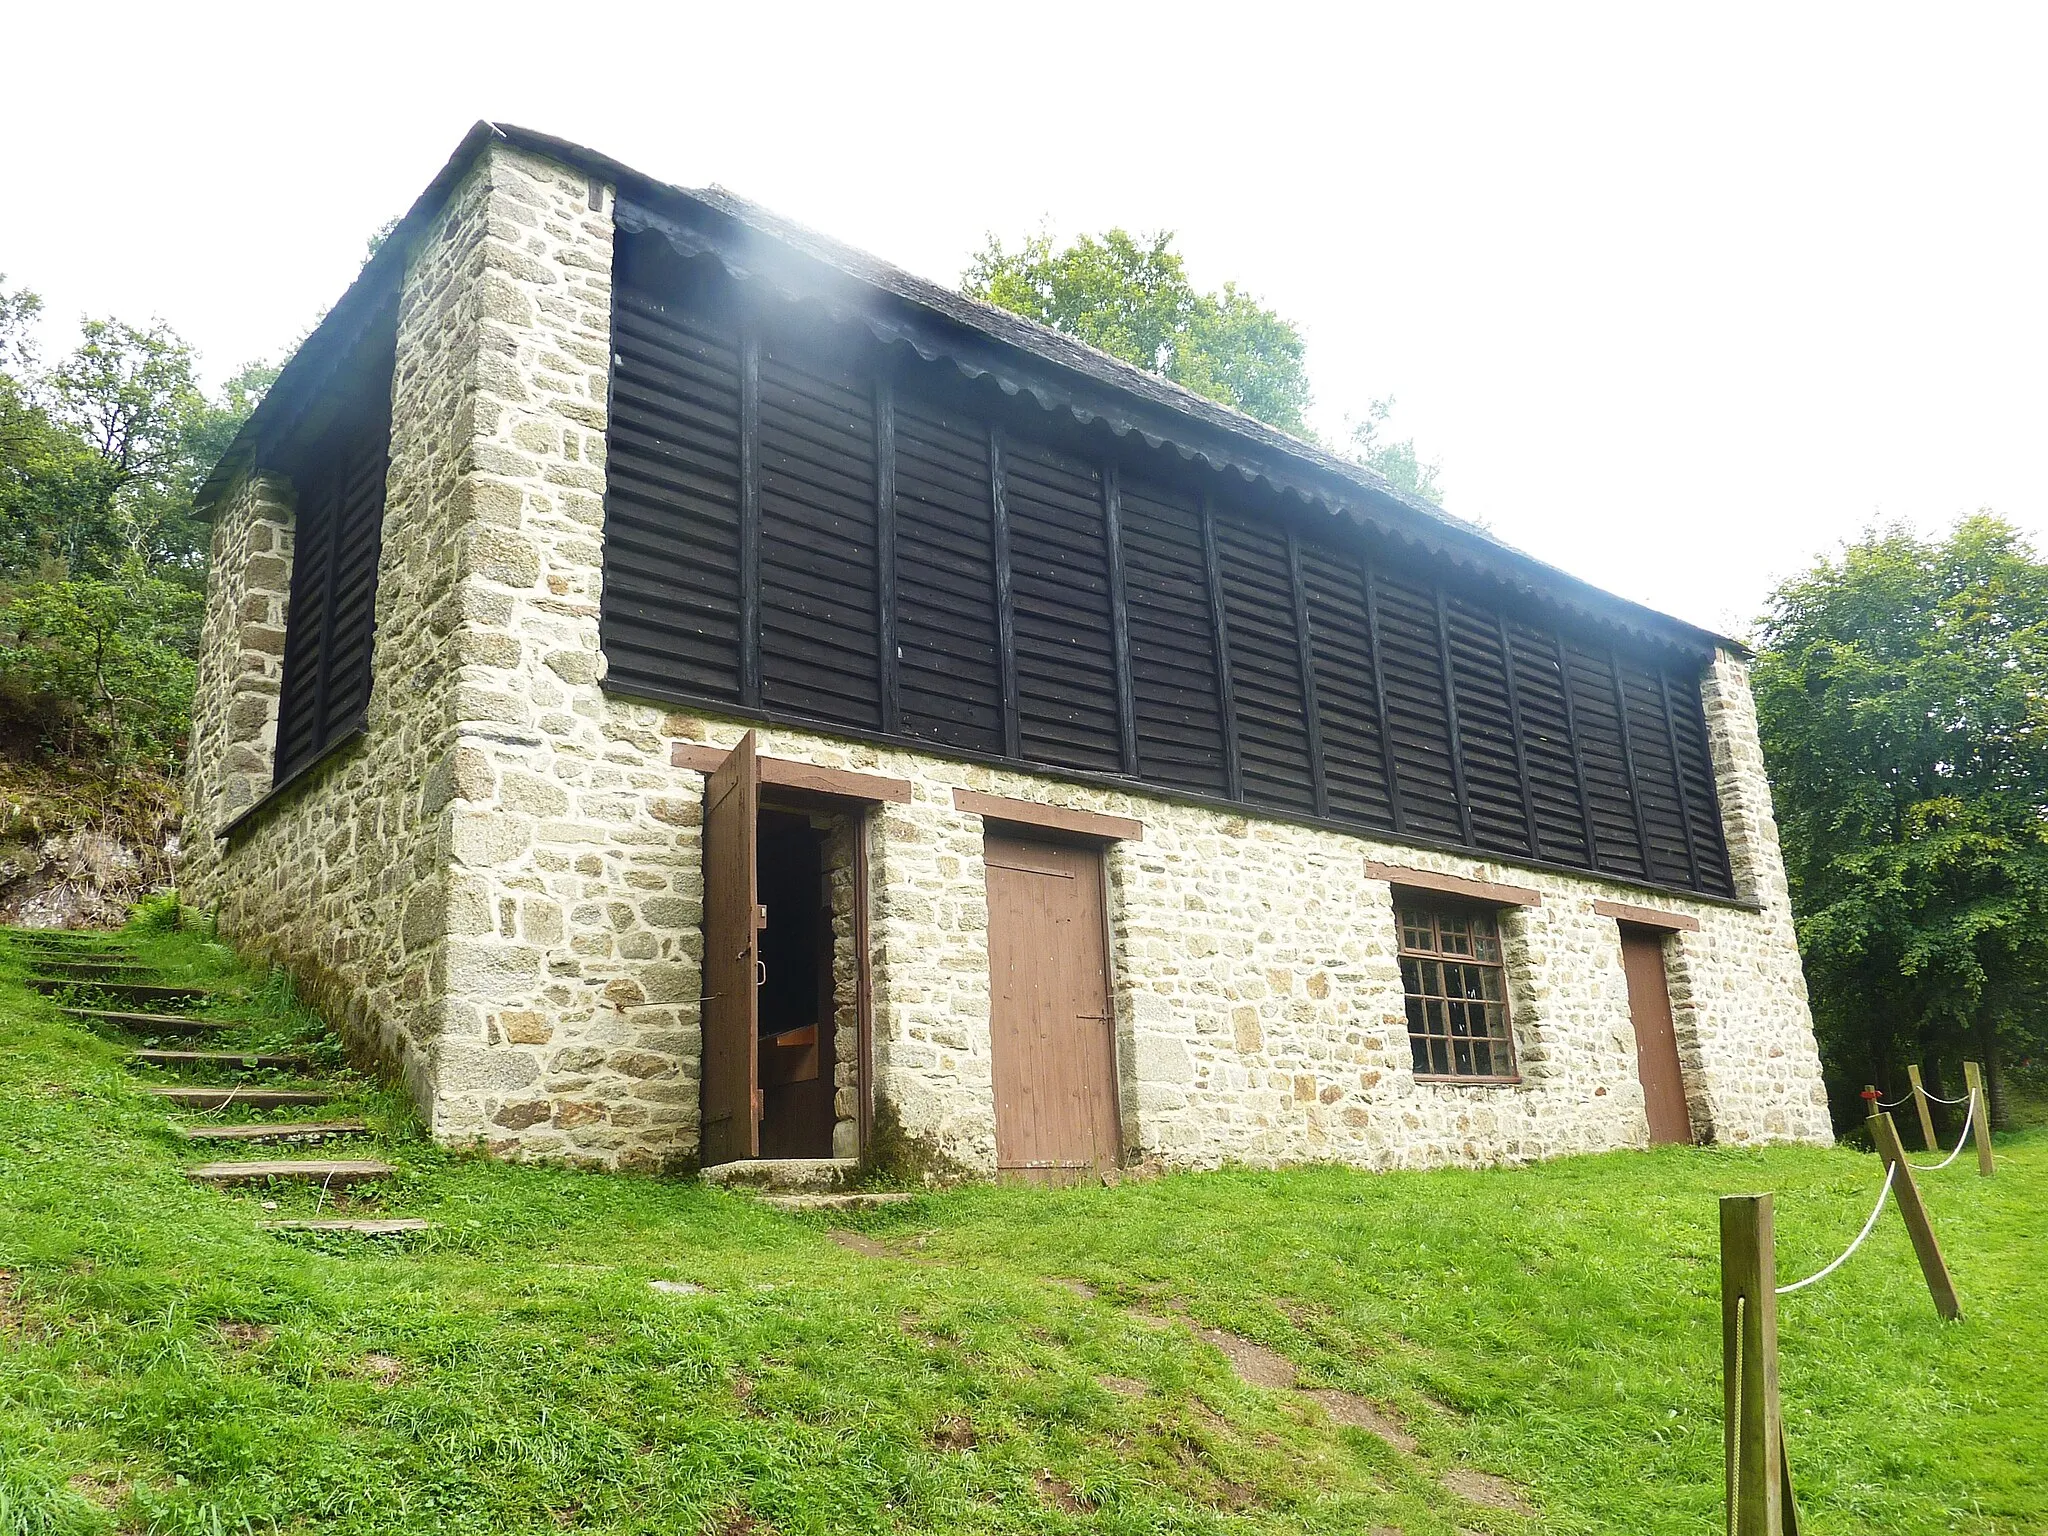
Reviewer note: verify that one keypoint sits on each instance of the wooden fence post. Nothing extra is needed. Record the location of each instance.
(1907, 1193)
(1981, 1121)
(1758, 1481)
(1920, 1104)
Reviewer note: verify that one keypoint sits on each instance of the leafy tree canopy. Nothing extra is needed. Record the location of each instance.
(1130, 296)
(1902, 695)
(1397, 462)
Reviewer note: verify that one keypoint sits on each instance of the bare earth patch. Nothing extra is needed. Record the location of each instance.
(860, 1243)
(11, 1314)
(1350, 1409)
(1061, 1494)
(102, 1489)
(243, 1335)
(382, 1369)
(1255, 1364)
(1485, 1488)
(1123, 1386)
(1080, 1288)
(954, 1434)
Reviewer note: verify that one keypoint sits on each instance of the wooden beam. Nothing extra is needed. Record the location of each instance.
(1757, 1477)
(1935, 1268)
(1006, 614)
(1571, 731)
(1454, 737)
(787, 773)
(1927, 1141)
(1628, 757)
(1119, 621)
(1049, 818)
(750, 515)
(885, 553)
(1219, 623)
(1692, 854)
(1454, 885)
(1980, 1123)
(1647, 917)
(1304, 654)
(1379, 700)
(1507, 666)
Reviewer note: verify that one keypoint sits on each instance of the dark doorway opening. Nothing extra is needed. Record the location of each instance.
(795, 1030)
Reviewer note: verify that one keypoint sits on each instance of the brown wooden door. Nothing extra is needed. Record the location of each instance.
(732, 946)
(1054, 1061)
(1649, 1004)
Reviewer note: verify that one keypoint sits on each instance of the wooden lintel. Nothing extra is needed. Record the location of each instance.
(786, 773)
(1647, 917)
(1050, 818)
(1454, 885)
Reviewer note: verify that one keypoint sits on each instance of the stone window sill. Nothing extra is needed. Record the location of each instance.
(1448, 1080)
(255, 813)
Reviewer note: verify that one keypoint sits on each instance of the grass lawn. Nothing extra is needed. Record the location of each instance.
(166, 1366)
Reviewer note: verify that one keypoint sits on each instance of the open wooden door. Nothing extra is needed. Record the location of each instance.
(732, 950)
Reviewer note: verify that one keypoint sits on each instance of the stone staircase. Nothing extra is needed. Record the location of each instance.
(800, 1184)
(105, 986)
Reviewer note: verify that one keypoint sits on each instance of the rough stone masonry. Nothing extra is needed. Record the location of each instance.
(496, 890)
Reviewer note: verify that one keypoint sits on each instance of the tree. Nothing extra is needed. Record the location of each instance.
(1902, 696)
(1130, 297)
(1395, 462)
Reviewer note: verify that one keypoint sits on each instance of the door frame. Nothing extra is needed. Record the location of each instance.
(786, 784)
(1039, 831)
(1658, 937)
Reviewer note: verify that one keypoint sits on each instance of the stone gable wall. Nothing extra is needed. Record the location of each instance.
(502, 884)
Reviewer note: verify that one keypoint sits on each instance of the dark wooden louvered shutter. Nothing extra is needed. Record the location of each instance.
(1265, 665)
(819, 656)
(1547, 747)
(670, 615)
(331, 624)
(1347, 704)
(1174, 688)
(1059, 585)
(1656, 774)
(950, 688)
(1617, 846)
(1696, 770)
(1486, 728)
(1418, 715)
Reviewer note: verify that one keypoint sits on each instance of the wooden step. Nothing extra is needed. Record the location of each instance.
(191, 1096)
(275, 1130)
(389, 1226)
(126, 991)
(253, 1061)
(129, 968)
(152, 1023)
(332, 1172)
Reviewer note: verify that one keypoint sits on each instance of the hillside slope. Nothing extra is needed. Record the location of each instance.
(1308, 1351)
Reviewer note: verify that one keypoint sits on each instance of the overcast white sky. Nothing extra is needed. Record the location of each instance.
(1680, 296)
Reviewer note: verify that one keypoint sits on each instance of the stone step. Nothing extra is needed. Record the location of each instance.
(191, 1096)
(275, 1130)
(390, 1226)
(331, 1172)
(248, 1061)
(152, 1023)
(131, 969)
(784, 1175)
(125, 991)
(851, 1200)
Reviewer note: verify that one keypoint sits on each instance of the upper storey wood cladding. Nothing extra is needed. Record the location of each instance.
(801, 527)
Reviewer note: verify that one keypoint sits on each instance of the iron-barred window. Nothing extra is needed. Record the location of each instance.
(806, 524)
(1457, 993)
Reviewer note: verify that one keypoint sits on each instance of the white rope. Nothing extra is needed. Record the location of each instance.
(1961, 1141)
(1890, 1173)
(1894, 1103)
(1940, 1100)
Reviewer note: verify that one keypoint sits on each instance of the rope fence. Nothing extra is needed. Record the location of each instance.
(1962, 1141)
(1868, 1226)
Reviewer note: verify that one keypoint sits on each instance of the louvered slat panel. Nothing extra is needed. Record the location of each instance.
(951, 688)
(1059, 584)
(1340, 644)
(1173, 640)
(1486, 735)
(1617, 848)
(1265, 665)
(306, 625)
(1547, 745)
(817, 466)
(669, 618)
(359, 528)
(1703, 804)
(1418, 721)
(1649, 735)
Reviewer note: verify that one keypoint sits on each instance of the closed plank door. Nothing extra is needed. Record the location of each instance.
(1049, 1015)
(732, 948)
(1649, 1004)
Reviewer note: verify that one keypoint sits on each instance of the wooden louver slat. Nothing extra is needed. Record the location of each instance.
(1265, 665)
(1176, 708)
(1340, 640)
(1418, 714)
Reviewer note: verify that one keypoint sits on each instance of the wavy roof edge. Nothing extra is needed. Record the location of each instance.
(329, 345)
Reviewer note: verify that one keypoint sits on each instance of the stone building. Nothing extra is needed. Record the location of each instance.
(678, 690)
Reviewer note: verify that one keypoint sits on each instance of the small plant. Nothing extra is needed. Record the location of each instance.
(159, 913)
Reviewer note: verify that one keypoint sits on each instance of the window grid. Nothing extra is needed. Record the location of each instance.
(1456, 987)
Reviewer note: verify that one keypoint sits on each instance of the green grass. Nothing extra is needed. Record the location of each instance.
(170, 1368)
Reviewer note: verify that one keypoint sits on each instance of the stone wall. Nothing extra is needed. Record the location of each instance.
(499, 887)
